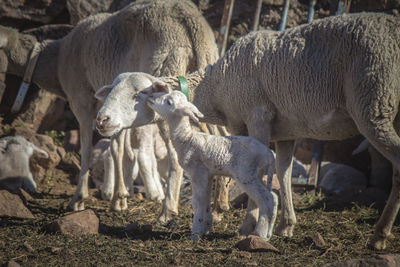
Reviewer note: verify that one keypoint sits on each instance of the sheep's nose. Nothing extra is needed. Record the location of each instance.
(102, 121)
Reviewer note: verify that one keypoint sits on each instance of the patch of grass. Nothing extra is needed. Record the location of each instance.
(57, 136)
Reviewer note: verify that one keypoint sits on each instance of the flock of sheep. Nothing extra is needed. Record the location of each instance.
(330, 79)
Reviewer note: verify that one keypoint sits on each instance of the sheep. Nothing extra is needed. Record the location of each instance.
(202, 156)
(102, 167)
(15, 152)
(158, 37)
(328, 80)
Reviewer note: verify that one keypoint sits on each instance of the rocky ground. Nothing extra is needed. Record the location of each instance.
(331, 228)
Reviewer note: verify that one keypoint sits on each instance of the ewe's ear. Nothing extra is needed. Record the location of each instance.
(191, 110)
(41, 153)
(160, 87)
(103, 92)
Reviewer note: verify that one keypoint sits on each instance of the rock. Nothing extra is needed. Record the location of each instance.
(12, 263)
(38, 11)
(336, 178)
(254, 243)
(76, 223)
(386, 260)
(71, 141)
(11, 205)
(317, 240)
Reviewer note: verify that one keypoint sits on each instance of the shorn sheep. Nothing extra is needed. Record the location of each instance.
(15, 152)
(330, 79)
(159, 37)
(201, 155)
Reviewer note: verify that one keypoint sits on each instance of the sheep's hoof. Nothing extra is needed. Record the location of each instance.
(284, 230)
(124, 203)
(378, 242)
(106, 195)
(166, 215)
(116, 204)
(76, 205)
(195, 237)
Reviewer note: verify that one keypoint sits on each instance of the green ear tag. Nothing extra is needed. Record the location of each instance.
(184, 86)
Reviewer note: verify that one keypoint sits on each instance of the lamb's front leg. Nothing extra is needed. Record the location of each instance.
(175, 175)
(107, 188)
(119, 201)
(284, 160)
(201, 198)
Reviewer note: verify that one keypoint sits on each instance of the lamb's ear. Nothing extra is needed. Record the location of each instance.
(160, 87)
(103, 92)
(41, 153)
(191, 110)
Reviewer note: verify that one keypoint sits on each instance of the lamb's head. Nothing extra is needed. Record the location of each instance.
(173, 104)
(125, 103)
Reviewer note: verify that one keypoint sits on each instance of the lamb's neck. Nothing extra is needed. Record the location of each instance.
(180, 131)
(201, 94)
(45, 73)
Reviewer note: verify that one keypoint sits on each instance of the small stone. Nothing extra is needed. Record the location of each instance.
(317, 240)
(133, 227)
(11, 205)
(28, 247)
(255, 243)
(12, 263)
(76, 223)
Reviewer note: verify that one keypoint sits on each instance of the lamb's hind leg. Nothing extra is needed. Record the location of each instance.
(284, 160)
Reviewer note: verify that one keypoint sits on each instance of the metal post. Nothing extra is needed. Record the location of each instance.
(257, 13)
(225, 25)
(284, 16)
(311, 10)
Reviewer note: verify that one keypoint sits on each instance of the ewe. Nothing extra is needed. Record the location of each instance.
(330, 79)
(202, 156)
(159, 37)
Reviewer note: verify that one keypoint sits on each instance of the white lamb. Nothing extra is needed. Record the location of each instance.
(202, 156)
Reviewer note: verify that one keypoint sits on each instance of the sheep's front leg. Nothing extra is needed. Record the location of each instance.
(175, 175)
(84, 113)
(201, 198)
(284, 160)
(119, 201)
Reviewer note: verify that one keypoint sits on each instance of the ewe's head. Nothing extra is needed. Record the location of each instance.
(124, 103)
(173, 104)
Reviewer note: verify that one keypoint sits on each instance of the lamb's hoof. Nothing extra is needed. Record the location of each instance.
(166, 216)
(284, 230)
(246, 229)
(377, 242)
(124, 203)
(106, 195)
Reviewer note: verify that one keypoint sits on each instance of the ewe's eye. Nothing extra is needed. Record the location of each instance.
(135, 95)
(170, 102)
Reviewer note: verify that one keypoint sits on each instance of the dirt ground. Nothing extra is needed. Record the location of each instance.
(345, 222)
(346, 229)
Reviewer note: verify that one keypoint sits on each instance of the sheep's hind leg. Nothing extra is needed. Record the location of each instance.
(385, 139)
(119, 201)
(284, 160)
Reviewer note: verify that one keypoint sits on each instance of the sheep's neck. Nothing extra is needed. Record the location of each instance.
(180, 130)
(45, 74)
(201, 94)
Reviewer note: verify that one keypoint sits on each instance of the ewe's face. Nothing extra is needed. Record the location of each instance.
(124, 103)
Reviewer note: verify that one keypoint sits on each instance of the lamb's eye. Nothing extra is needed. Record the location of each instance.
(170, 102)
